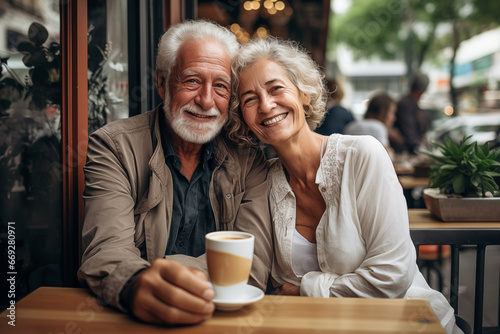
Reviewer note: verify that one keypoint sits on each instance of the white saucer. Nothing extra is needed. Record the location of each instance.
(250, 295)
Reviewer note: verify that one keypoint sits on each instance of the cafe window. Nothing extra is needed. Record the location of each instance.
(108, 90)
(30, 145)
(123, 36)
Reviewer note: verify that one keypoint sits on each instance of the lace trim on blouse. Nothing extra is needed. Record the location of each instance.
(330, 178)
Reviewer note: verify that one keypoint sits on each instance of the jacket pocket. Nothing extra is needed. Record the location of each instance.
(229, 209)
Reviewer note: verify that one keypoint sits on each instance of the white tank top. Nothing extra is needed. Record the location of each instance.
(304, 255)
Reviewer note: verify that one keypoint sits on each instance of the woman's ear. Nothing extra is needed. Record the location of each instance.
(160, 84)
(306, 99)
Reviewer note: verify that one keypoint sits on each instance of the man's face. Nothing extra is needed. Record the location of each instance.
(199, 91)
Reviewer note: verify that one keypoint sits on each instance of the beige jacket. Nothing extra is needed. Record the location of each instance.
(128, 204)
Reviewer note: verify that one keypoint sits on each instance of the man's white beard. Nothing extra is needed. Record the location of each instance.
(186, 127)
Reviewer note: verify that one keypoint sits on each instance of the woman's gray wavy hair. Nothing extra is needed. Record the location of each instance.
(302, 71)
(176, 35)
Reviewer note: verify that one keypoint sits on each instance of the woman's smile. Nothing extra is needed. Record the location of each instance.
(272, 106)
(274, 120)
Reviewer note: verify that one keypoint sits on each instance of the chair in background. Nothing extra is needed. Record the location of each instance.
(431, 258)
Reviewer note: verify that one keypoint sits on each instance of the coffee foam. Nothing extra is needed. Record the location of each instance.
(241, 247)
(230, 237)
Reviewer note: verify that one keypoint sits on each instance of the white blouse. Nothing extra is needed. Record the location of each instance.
(363, 242)
(304, 255)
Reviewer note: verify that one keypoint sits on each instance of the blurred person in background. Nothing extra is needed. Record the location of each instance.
(337, 116)
(378, 120)
(410, 120)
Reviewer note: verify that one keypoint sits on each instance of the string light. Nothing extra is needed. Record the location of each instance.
(448, 110)
(266, 8)
(272, 6)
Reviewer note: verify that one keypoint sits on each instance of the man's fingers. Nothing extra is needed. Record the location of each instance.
(170, 292)
(184, 300)
(156, 311)
(198, 273)
(189, 279)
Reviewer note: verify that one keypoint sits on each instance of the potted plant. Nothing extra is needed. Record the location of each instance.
(462, 184)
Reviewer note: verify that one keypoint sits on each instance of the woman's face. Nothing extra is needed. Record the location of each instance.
(272, 106)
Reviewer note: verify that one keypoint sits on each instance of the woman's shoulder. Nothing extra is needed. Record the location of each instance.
(361, 145)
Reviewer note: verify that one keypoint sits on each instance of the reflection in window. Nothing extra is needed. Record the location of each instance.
(107, 62)
(30, 146)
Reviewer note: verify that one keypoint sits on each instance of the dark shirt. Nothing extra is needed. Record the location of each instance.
(411, 124)
(336, 119)
(192, 215)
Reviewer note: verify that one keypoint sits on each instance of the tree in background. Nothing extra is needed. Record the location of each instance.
(395, 29)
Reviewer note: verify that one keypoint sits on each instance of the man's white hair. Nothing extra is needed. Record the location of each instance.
(176, 35)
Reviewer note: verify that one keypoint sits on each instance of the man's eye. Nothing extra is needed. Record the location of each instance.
(220, 85)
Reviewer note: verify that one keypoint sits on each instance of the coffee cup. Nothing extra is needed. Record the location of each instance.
(229, 260)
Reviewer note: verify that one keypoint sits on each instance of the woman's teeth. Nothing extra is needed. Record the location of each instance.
(275, 119)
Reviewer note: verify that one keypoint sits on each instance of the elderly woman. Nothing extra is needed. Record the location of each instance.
(339, 214)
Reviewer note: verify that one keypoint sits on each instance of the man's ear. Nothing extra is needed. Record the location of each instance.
(160, 84)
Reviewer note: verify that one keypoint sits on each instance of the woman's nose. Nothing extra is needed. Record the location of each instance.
(267, 104)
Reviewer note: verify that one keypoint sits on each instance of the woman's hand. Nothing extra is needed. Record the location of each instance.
(289, 289)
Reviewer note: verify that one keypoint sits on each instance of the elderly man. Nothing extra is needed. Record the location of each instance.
(158, 182)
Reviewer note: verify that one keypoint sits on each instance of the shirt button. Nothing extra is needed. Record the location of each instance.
(228, 196)
(181, 243)
(323, 189)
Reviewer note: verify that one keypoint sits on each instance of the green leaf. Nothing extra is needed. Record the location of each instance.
(448, 166)
(475, 180)
(472, 166)
(485, 150)
(492, 174)
(459, 184)
(495, 163)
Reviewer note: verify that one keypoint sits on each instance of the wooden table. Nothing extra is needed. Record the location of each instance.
(426, 229)
(70, 310)
(410, 182)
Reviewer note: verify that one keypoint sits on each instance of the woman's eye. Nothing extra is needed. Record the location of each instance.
(276, 88)
(248, 100)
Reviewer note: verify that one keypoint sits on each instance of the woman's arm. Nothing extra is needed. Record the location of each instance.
(388, 267)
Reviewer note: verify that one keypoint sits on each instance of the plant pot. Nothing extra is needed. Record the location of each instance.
(470, 209)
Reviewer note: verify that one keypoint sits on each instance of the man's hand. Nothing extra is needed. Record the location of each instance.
(168, 292)
(290, 290)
